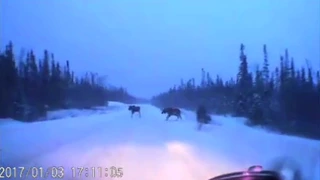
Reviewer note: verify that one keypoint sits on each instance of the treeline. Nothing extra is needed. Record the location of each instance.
(29, 87)
(286, 98)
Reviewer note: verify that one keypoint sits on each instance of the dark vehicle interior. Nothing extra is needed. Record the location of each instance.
(253, 173)
(263, 175)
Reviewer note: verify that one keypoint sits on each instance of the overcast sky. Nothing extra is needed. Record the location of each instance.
(148, 45)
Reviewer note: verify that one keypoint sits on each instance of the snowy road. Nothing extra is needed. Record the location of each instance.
(140, 147)
(146, 149)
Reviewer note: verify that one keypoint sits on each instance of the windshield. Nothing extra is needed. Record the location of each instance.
(159, 89)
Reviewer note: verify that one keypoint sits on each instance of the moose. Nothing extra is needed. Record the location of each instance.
(134, 109)
(172, 112)
(202, 116)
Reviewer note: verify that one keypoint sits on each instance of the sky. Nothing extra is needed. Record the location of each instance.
(147, 46)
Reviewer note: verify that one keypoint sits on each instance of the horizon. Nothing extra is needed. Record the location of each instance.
(164, 41)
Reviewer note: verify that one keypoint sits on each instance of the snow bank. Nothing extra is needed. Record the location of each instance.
(64, 113)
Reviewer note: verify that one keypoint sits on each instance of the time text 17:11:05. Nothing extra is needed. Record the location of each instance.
(97, 172)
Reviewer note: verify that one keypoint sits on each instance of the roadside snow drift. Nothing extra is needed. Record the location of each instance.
(146, 148)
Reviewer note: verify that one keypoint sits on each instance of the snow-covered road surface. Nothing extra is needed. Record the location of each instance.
(148, 148)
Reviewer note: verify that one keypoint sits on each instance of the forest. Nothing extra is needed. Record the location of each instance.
(285, 99)
(31, 86)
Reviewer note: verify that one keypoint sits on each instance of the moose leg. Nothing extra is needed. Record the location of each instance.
(139, 114)
(199, 126)
(131, 114)
(167, 117)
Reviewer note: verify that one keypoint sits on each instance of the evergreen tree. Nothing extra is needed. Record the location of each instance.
(287, 98)
(31, 88)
